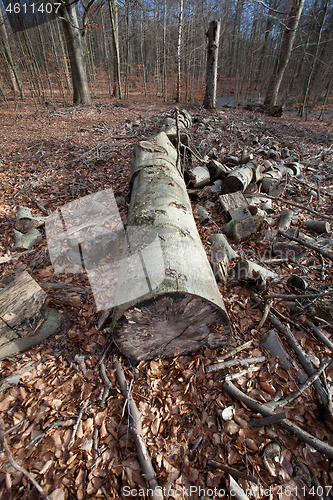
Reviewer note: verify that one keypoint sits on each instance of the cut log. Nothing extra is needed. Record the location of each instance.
(297, 282)
(241, 230)
(167, 295)
(217, 170)
(28, 240)
(220, 264)
(222, 247)
(21, 315)
(285, 219)
(271, 186)
(239, 178)
(319, 226)
(199, 177)
(233, 200)
(248, 270)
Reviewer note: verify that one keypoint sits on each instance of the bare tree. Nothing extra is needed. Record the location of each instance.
(284, 52)
(213, 35)
(75, 48)
(179, 42)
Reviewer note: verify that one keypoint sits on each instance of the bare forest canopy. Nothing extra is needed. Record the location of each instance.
(52, 51)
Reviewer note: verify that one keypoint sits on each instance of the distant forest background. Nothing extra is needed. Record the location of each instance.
(92, 48)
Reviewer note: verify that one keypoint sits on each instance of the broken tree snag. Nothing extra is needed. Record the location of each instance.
(167, 295)
(319, 226)
(213, 35)
(22, 314)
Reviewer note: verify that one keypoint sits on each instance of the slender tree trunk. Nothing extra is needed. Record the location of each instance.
(12, 71)
(315, 58)
(284, 53)
(213, 35)
(113, 9)
(164, 68)
(75, 49)
(179, 41)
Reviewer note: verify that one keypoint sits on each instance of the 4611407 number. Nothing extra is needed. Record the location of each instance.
(44, 8)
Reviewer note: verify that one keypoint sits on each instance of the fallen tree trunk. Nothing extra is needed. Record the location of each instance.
(167, 295)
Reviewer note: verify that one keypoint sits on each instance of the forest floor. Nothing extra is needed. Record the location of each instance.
(59, 154)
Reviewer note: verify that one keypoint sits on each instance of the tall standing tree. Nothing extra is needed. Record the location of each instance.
(213, 35)
(284, 52)
(179, 42)
(75, 47)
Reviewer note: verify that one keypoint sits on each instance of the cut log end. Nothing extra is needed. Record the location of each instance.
(168, 325)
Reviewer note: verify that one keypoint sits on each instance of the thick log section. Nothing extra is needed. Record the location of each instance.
(166, 304)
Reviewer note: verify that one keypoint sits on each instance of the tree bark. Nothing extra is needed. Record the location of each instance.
(113, 9)
(213, 35)
(179, 42)
(75, 49)
(167, 293)
(284, 52)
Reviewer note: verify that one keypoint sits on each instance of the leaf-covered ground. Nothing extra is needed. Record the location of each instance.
(61, 153)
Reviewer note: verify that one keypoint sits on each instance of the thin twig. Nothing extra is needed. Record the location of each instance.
(136, 429)
(77, 423)
(107, 384)
(282, 200)
(267, 307)
(328, 255)
(17, 467)
(319, 334)
(260, 422)
(251, 403)
(36, 202)
(234, 351)
(233, 472)
(234, 362)
(296, 297)
(301, 356)
(291, 397)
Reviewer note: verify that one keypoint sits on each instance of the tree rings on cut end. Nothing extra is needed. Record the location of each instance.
(168, 325)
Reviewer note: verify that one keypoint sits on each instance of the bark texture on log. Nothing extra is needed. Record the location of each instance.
(24, 321)
(167, 305)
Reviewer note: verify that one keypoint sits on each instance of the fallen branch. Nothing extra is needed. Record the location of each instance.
(301, 356)
(260, 422)
(231, 471)
(294, 395)
(16, 256)
(234, 351)
(234, 362)
(320, 334)
(107, 384)
(77, 423)
(267, 307)
(296, 297)
(17, 467)
(282, 200)
(328, 255)
(286, 424)
(36, 202)
(136, 430)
